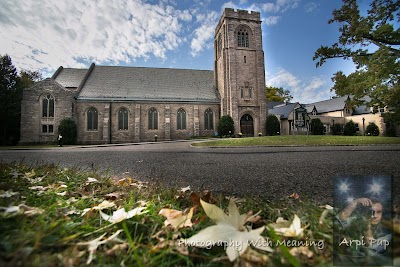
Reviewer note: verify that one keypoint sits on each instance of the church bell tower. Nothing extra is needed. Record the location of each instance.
(239, 70)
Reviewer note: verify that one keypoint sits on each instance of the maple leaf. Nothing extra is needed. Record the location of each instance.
(229, 230)
(121, 214)
(184, 189)
(95, 243)
(176, 218)
(103, 205)
(285, 228)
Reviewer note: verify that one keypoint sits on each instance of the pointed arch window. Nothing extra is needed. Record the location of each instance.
(243, 38)
(153, 119)
(92, 119)
(181, 119)
(48, 106)
(208, 119)
(123, 119)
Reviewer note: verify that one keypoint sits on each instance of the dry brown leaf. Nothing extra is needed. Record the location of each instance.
(118, 247)
(298, 251)
(295, 196)
(176, 219)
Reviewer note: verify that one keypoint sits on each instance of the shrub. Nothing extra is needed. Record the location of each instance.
(226, 126)
(317, 128)
(272, 125)
(68, 130)
(372, 129)
(337, 129)
(349, 129)
(390, 132)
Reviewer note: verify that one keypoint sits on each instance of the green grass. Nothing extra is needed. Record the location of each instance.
(52, 238)
(301, 140)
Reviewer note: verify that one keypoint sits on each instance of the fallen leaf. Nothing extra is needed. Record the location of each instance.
(295, 196)
(118, 247)
(103, 205)
(95, 243)
(30, 174)
(185, 189)
(229, 231)
(121, 214)
(285, 228)
(176, 218)
(8, 193)
(91, 180)
(297, 251)
(22, 209)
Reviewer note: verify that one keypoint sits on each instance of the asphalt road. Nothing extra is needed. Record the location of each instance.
(271, 172)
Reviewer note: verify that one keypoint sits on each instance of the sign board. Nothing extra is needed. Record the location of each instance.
(300, 117)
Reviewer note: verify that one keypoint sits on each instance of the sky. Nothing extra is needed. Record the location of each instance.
(45, 34)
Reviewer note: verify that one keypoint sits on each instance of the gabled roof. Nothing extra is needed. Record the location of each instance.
(271, 104)
(283, 110)
(152, 84)
(68, 77)
(329, 105)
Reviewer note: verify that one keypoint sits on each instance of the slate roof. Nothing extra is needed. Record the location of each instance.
(282, 110)
(152, 84)
(271, 104)
(329, 105)
(69, 77)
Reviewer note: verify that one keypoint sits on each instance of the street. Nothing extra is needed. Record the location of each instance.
(270, 172)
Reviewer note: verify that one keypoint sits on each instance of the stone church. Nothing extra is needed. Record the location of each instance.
(112, 104)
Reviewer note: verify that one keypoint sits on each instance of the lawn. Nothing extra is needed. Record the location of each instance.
(63, 217)
(301, 140)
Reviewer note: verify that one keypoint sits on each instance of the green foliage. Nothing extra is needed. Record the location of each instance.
(372, 42)
(272, 125)
(337, 129)
(350, 129)
(275, 94)
(11, 90)
(372, 129)
(10, 102)
(69, 131)
(317, 128)
(226, 126)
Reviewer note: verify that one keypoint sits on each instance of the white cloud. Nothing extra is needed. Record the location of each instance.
(311, 7)
(204, 34)
(280, 6)
(44, 34)
(271, 20)
(316, 89)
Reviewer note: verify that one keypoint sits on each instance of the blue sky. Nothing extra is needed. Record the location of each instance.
(45, 34)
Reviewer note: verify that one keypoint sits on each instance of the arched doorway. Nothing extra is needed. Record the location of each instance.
(247, 125)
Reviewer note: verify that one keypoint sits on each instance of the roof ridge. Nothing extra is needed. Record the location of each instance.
(141, 67)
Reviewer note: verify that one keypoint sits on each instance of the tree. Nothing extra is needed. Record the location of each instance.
(9, 100)
(11, 90)
(371, 41)
(350, 129)
(226, 126)
(272, 125)
(372, 129)
(317, 127)
(275, 94)
(68, 131)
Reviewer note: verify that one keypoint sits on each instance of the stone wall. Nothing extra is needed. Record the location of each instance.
(31, 111)
(138, 128)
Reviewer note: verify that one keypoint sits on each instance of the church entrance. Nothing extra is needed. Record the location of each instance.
(247, 125)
